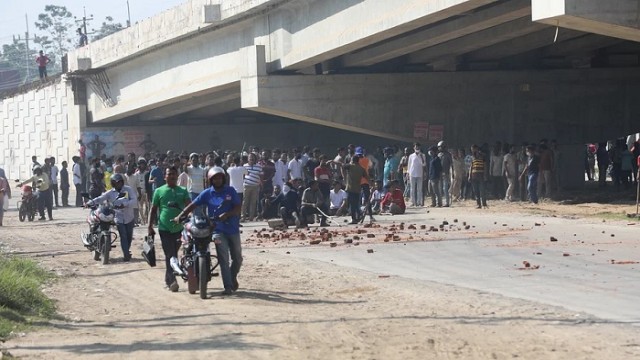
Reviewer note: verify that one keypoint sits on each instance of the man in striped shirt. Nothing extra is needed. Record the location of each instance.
(252, 183)
(478, 175)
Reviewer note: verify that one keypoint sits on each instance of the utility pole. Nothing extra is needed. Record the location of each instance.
(128, 15)
(28, 59)
(84, 22)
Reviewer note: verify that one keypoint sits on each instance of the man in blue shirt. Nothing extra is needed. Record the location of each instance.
(156, 176)
(223, 206)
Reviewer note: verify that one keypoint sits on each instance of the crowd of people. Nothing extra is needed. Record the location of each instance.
(299, 186)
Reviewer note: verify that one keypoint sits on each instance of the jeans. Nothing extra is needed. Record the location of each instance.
(170, 245)
(226, 245)
(126, 236)
(446, 186)
(478, 189)
(45, 201)
(54, 189)
(354, 204)
(532, 188)
(436, 192)
(78, 196)
(417, 197)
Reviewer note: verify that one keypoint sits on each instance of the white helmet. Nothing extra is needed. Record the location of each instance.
(214, 171)
(441, 144)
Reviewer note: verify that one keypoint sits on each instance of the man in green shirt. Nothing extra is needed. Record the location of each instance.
(354, 175)
(168, 201)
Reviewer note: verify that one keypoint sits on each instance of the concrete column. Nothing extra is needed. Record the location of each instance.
(615, 18)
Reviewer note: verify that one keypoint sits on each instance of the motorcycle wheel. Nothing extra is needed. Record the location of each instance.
(22, 214)
(106, 247)
(31, 214)
(203, 276)
(192, 280)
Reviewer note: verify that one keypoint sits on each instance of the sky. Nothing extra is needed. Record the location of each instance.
(12, 12)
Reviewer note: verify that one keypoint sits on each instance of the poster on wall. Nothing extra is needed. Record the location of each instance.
(436, 132)
(113, 142)
(420, 130)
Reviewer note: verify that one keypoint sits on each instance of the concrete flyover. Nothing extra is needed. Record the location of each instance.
(469, 70)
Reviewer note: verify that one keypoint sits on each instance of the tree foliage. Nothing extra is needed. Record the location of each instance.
(107, 28)
(15, 56)
(58, 24)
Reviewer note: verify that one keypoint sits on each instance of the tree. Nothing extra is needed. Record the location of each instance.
(108, 27)
(58, 23)
(16, 56)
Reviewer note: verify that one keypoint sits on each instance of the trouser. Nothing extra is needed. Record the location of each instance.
(1, 207)
(417, 197)
(288, 214)
(325, 190)
(395, 209)
(456, 188)
(126, 237)
(523, 188)
(511, 181)
(45, 201)
(54, 189)
(250, 201)
(478, 189)
(78, 196)
(307, 211)
(533, 188)
(602, 174)
(64, 196)
(544, 179)
(436, 192)
(366, 193)
(228, 248)
(446, 187)
(265, 192)
(170, 245)
(354, 204)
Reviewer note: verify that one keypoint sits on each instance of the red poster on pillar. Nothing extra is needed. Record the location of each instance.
(420, 130)
(436, 132)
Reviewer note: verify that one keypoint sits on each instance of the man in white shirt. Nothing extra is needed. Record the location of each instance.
(296, 167)
(236, 177)
(196, 177)
(54, 178)
(77, 180)
(509, 168)
(338, 199)
(280, 177)
(416, 165)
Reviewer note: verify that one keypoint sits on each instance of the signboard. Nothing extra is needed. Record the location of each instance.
(420, 130)
(436, 132)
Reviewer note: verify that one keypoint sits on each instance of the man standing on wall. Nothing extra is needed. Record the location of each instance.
(42, 60)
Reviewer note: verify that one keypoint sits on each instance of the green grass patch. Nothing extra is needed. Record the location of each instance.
(21, 297)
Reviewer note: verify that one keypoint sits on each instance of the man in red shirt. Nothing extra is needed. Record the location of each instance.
(42, 61)
(393, 200)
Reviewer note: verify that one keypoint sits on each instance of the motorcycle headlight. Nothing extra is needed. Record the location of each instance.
(197, 232)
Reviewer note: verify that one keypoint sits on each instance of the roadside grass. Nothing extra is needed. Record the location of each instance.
(22, 302)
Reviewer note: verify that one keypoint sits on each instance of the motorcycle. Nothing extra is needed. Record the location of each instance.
(28, 205)
(100, 239)
(197, 265)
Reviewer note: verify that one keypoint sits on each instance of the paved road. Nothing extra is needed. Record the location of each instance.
(584, 281)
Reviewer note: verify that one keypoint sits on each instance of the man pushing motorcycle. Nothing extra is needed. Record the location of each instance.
(124, 198)
(223, 207)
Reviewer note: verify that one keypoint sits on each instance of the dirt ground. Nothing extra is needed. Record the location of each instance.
(291, 308)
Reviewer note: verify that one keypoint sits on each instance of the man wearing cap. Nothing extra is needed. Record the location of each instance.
(124, 199)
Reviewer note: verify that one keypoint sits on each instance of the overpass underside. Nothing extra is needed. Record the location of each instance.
(475, 70)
